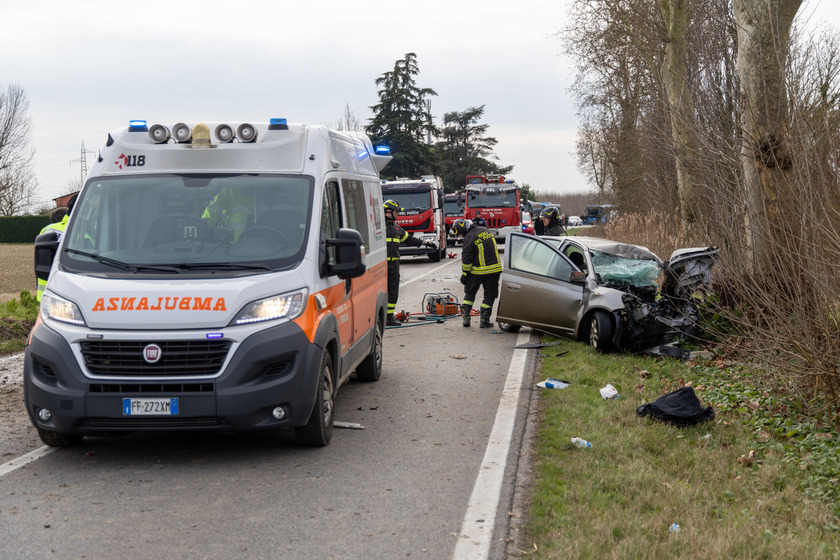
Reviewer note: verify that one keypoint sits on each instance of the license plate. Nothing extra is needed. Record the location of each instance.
(150, 407)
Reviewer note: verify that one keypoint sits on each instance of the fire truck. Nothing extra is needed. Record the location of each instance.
(421, 214)
(453, 208)
(497, 199)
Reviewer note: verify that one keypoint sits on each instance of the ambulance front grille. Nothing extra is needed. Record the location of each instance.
(190, 358)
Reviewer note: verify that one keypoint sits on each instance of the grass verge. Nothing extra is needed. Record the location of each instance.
(753, 483)
(17, 316)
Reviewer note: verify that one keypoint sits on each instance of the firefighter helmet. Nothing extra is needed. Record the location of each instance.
(391, 204)
(461, 226)
(550, 212)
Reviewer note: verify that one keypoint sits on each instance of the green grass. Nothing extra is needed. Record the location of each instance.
(619, 498)
(17, 316)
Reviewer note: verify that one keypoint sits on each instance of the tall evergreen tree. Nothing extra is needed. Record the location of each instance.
(464, 149)
(402, 119)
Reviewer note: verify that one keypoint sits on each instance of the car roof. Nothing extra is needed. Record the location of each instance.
(613, 247)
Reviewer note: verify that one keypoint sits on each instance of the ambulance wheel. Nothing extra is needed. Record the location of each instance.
(266, 231)
(317, 431)
(600, 331)
(371, 368)
(509, 327)
(56, 439)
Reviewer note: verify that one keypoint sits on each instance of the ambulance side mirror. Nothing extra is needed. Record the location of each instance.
(348, 254)
(46, 246)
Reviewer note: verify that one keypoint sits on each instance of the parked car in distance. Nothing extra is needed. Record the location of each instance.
(574, 221)
(527, 223)
(601, 291)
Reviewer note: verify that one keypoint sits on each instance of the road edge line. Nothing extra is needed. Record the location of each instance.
(24, 460)
(480, 517)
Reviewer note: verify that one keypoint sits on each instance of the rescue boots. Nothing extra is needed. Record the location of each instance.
(466, 310)
(391, 322)
(485, 318)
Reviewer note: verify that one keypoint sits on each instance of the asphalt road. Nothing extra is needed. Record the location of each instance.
(417, 481)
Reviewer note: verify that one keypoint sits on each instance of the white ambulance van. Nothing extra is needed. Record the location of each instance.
(228, 276)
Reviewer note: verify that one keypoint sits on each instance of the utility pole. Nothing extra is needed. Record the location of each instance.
(83, 161)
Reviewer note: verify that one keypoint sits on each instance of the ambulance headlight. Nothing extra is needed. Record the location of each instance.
(60, 309)
(286, 306)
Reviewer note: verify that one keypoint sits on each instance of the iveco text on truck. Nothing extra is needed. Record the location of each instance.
(228, 276)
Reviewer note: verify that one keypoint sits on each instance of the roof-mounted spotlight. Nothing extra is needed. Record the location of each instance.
(225, 133)
(182, 133)
(137, 125)
(278, 124)
(159, 134)
(246, 132)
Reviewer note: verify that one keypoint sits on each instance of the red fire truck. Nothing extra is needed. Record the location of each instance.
(453, 208)
(497, 199)
(421, 201)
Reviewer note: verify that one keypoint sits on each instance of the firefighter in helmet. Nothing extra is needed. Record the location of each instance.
(394, 236)
(550, 217)
(481, 267)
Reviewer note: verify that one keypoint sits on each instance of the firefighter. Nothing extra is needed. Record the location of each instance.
(394, 236)
(480, 267)
(59, 218)
(550, 217)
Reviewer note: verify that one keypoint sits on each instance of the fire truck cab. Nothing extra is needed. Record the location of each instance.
(421, 201)
(497, 200)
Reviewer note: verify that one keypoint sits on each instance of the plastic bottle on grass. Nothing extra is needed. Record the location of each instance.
(581, 442)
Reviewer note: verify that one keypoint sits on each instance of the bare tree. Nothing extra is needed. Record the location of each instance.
(17, 178)
(348, 121)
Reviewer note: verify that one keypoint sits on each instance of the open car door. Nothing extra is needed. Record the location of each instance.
(535, 289)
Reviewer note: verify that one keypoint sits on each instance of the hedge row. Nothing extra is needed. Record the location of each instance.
(21, 229)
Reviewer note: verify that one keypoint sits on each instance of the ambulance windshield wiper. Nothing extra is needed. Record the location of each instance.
(119, 264)
(221, 266)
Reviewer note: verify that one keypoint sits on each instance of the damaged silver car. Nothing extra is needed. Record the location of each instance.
(604, 292)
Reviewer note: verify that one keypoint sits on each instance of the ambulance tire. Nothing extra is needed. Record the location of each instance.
(318, 430)
(56, 439)
(371, 368)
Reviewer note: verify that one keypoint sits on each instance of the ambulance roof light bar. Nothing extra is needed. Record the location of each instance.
(137, 125)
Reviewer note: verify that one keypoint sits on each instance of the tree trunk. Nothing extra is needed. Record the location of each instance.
(681, 104)
(763, 28)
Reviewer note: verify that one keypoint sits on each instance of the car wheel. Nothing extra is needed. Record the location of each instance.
(318, 429)
(56, 439)
(509, 327)
(600, 331)
(371, 368)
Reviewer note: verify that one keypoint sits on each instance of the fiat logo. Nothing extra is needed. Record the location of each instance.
(152, 353)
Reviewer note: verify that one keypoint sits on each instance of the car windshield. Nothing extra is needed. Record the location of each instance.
(181, 223)
(617, 271)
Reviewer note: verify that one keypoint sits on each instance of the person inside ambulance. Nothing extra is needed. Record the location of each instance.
(481, 267)
(394, 236)
(230, 213)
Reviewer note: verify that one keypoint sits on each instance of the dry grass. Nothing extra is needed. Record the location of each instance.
(17, 271)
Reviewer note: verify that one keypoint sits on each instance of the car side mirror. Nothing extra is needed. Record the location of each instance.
(577, 277)
(348, 254)
(46, 246)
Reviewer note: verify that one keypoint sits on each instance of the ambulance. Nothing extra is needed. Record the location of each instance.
(212, 276)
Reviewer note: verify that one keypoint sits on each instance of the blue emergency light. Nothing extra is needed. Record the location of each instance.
(383, 150)
(137, 126)
(278, 124)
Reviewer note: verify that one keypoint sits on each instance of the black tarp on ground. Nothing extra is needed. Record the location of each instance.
(680, 408)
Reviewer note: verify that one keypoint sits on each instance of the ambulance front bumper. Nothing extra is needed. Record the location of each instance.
(276, 368)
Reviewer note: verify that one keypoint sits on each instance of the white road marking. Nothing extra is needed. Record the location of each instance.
(407, 282)
(24, 460)
(477, 529)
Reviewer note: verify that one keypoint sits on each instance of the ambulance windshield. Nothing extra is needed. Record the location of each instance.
(181, 223)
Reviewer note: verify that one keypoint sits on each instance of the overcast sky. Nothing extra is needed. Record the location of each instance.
(88, 67)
